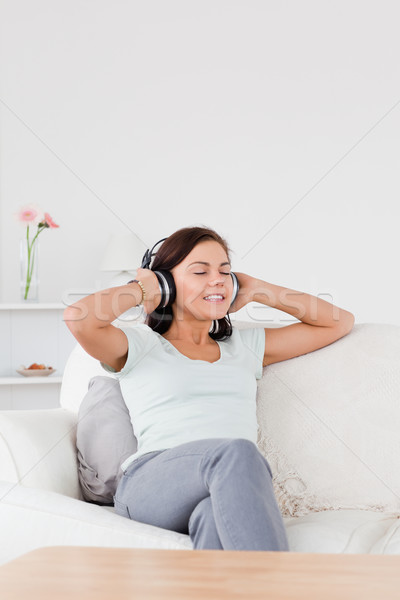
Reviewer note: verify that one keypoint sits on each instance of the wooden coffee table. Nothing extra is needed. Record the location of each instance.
(55, 573)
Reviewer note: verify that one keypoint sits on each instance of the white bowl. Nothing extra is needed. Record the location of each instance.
(35, 372)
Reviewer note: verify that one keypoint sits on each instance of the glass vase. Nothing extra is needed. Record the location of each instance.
(29, 254)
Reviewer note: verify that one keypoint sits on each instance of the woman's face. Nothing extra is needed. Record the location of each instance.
(194, 280)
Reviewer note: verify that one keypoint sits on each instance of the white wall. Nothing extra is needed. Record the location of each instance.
(273, 122)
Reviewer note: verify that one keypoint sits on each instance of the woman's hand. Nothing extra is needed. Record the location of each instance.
(247, 285)
(152, 288)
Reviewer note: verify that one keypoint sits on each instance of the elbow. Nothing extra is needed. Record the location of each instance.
(74, 318)
(346, 322)
(69, 319)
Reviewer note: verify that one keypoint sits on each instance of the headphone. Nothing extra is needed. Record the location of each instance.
(166, 281)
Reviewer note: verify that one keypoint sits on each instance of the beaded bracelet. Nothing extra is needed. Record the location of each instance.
(143, 290)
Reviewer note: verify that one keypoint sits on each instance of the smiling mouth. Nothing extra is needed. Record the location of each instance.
(214, 299)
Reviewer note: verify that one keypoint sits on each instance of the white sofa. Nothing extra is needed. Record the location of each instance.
(329, 424)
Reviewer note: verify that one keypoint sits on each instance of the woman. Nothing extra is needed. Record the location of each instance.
(191, 391)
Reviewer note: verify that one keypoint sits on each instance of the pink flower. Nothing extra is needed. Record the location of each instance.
(49, 221)
(29, 215)
(33, 215)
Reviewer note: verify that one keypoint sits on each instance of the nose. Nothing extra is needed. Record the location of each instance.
(218, 279)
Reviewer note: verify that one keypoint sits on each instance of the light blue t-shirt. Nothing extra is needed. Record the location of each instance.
(173, 399)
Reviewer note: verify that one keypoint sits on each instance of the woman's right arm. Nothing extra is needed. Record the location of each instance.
(89, 319)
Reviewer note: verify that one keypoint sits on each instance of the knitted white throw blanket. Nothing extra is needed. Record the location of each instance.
(329, 424)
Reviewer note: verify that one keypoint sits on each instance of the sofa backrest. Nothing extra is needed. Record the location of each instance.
(329, 424)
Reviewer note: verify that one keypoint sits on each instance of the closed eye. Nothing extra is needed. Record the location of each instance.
(205, 273)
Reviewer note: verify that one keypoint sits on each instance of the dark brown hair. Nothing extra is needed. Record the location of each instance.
(173, 251)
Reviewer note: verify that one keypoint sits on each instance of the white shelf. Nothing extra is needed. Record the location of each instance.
(49, 379)
(33, 306)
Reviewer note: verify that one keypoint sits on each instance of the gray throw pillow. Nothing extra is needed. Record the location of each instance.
(104, 439)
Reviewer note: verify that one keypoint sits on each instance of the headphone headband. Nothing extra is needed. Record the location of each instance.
(146, 260)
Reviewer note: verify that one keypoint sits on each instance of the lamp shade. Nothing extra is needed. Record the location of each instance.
(123, 253)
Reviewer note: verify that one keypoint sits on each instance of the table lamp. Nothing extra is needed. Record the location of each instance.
(123, 255)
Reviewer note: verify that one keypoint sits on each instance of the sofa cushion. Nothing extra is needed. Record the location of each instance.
(104, 439)
(33, 518)
(37, 449)
(81, 367)
(329, 424)
(78, 371)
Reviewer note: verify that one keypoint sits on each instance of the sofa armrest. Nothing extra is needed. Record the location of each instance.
(38, 450)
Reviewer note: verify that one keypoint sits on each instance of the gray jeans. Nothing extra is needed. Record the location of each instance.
(217, 490)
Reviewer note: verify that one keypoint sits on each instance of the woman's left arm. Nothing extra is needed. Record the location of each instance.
(322, 322)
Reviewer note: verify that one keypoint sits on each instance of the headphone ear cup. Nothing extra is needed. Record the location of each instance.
(235, 287)
(167, 287)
